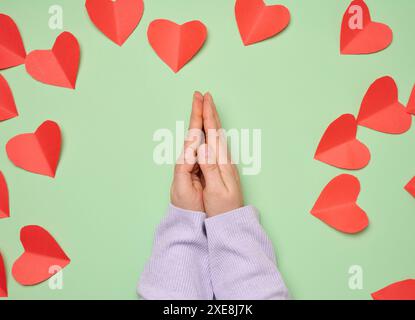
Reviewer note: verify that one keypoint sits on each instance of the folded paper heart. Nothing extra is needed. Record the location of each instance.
(340, 148)
(59, 66)
(402, 290)
(4, 198)
(257, 21)
(410, 187)
(8, 108)
(116, 19)
(381, 110)
(12, 50)
(3, 279)
(410, 108)
(41, 258)
(37, 152)
(336, 205)
(359, 34)
(176, 44)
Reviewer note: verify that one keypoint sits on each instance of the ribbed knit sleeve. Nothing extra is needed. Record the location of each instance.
(241, 258)
(178, 267)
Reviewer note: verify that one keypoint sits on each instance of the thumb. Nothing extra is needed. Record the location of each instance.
(206, 158)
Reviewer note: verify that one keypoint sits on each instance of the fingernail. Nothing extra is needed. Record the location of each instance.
(197, 95)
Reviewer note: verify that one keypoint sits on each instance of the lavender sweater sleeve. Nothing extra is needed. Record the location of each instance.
(178, 268)
(241, 258)
(225, 257)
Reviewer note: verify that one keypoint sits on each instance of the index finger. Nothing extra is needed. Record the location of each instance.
(196, 118)
(216, 137)
(194, 136)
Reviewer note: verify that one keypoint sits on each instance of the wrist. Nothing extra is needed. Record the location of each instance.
(187, 208)
(214, 211)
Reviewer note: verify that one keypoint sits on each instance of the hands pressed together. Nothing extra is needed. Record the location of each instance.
(206, 254)
(205, 179)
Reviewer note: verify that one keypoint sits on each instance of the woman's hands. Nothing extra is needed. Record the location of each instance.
(187, 189)
(205, 178)
(222, 191)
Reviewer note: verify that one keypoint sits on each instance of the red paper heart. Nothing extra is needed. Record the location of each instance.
(340, 148)
(116, 19)
(257, 21)
(336, 205)
(410, 108)
(37, 152)
(3, 279)
(41, 257)
(176, 44)
(359, 34)
(12, 51)
(4, 198)
(410, 187)
(381, 110)
(402, 290)
(59, 66)
(8, 108)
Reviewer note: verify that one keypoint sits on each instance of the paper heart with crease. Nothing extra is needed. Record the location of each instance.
(41, 258)
(4, 198)
(176, 44)
(336, 205)
(116, 19)
(12, 50)
(59, 66)
(256, 21)
(8, 108)
(381, 110)
(359, 34)
(3, 279)
(37, 152)
(410, 107)
(402, 290)
(340, 148)
(410, 187)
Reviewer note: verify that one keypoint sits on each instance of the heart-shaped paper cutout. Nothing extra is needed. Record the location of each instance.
(42, 256)
(340, 148)
(381, 110)
(336, 205)
(257, 21)
(4, 198)
(359, 34)
(8, 108)
(12, 51)
(59, 66)
(402, 290)
(116, 19)
(37, 152)
(410, 108)
(410, 187)
(3, 279)
(176, 44)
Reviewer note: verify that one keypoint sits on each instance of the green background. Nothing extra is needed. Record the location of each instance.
(109, 195)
